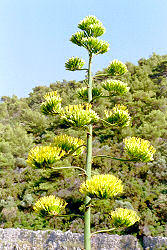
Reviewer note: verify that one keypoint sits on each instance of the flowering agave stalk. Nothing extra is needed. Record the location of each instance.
(82, 115)
(100, 186)
(91, 28)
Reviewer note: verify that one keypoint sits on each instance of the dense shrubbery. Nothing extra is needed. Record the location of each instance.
(22, 126)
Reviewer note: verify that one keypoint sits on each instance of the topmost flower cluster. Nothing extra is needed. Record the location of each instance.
(92, 26)
(91, 29)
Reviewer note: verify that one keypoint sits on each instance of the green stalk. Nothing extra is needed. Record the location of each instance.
(87, 233)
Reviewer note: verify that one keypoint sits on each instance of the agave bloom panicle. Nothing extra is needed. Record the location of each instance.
(102, 186)
(139, 149)
(83, 93)
(115, 87)
(74, 63)
(79, 115)
(123, 217)
(52, 103)
(69, 144)
(49, 206)
(94, 45)
(116, 68)
(92, 26)
(118, 116)
(44, 156)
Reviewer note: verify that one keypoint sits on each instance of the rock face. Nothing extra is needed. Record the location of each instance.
(154, 243)
(23, 239)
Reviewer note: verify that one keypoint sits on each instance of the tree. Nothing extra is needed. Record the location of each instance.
(82, 116)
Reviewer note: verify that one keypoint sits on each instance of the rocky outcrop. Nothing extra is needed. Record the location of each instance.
(154, 243)
(23, 239)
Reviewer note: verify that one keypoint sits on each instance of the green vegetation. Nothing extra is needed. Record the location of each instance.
(22, 126)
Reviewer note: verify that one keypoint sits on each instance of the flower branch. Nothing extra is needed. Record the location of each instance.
(114, 158)
(103, 231)
(81, 169)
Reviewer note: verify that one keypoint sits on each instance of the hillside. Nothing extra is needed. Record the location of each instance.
(22, 126)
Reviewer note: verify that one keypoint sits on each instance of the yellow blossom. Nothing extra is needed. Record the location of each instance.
(92, 26)
(123, 217)
(49, 206)
(118, 116)
(69, 144)
(139, 149)
(52, 103)
(115, 87)
(83, 93)
(116, 68)
(44, 156)
(74, 63)
(102, 186)
(79, 115)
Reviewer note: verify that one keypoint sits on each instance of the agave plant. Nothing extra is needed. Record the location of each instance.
(101, 186)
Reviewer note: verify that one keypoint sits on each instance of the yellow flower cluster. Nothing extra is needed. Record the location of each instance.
(44, 156)
(123, 217)
(91, 29)
(49, 206)
(94, 45)
(139, 149)
(79, 115)
(74, 63)
(118, 116)
(83, 93)
(69, 144)
(52, 103)
(115, 87)
(92, 26)
(116, 68)
(102, 186)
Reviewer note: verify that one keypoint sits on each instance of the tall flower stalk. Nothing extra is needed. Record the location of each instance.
(87, 219)
(92, 28)
(83, 116)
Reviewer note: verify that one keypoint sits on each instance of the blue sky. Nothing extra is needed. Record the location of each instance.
(34, 37)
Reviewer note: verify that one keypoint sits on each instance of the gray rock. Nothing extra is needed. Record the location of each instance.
(23, 239)
(155, 243)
